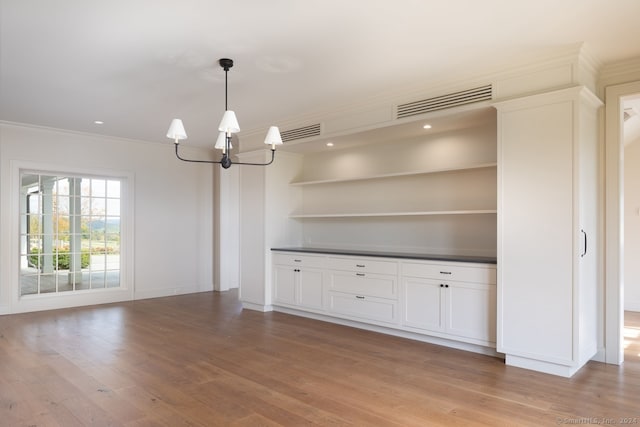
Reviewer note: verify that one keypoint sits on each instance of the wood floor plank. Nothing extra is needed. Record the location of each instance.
(200, 360)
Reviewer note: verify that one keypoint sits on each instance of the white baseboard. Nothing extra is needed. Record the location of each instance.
(167, 292)
(600, 356)
(256, 307)
(54, 301)
(475, 348)
(540, 366)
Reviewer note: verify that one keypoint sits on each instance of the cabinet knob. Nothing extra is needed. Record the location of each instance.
(359, 297)
(360, 274)
(297, 260)
(441, 285)
(445, 272)
(360, 265)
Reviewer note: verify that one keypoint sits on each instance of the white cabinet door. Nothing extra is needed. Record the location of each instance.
(470, 310)
(310, 288)
(422, 304)
(536, 230)
(284, 284)
(298, 287)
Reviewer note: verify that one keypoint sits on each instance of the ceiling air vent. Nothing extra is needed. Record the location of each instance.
(300, 133)
(455, 99)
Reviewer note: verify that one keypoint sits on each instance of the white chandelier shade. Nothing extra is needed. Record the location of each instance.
(176, 131)
(273, 137)
(229, 122)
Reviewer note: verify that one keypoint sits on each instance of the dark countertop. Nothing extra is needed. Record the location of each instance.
(403, 255)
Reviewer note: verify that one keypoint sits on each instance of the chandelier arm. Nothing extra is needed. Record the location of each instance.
(195, 161)
(228, 162)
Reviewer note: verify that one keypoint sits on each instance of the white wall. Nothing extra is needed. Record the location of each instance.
(632, 225)
(172, 228)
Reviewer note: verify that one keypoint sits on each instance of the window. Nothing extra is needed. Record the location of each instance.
(69, 233)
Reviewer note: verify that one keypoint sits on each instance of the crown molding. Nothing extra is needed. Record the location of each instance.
(619, 72)
(93, 137)
(576, 57)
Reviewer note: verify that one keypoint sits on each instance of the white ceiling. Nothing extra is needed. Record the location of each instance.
(136, 64)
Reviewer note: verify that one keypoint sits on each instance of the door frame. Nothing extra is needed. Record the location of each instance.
(614, 220)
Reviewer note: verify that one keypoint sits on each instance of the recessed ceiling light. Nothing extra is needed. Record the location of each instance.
(329, 144)
(98, 122)
(427, 126)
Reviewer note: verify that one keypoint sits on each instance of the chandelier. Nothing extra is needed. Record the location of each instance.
(228, 126)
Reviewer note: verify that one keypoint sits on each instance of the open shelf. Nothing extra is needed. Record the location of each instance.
(393, 175)
(437, 193)
(395, 214)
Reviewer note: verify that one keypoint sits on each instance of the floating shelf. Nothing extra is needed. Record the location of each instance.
(396, 214)
(394, 175)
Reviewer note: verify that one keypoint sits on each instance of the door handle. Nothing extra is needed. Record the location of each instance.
(584, 235)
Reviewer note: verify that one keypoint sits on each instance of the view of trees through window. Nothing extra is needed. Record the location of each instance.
(69, 233)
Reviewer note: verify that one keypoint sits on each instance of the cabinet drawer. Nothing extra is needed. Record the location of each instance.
(364, 307)
(365, 265)
(450, 272)
(379, 285)
(299, 260)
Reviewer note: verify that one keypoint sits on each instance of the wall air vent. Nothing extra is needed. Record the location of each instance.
(300, 133)
(450, 100)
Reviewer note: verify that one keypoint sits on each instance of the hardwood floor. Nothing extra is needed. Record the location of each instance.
(199, 360)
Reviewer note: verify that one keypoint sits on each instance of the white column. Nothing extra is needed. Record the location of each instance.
(228, 229)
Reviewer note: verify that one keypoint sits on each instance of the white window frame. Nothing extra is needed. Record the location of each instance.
(48, 301)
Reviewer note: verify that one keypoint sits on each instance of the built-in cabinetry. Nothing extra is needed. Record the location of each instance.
(547, 222)
(381, 188)
(451, 300)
